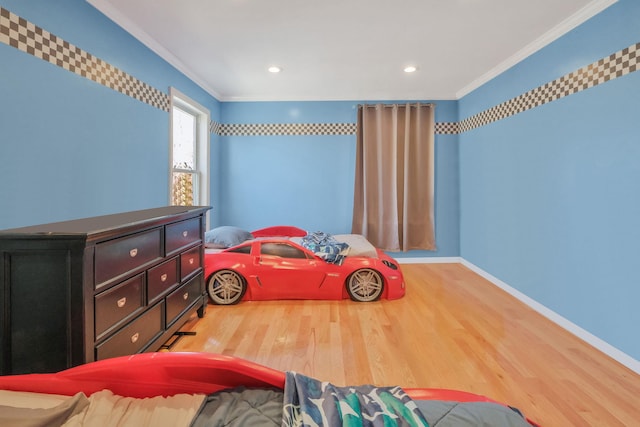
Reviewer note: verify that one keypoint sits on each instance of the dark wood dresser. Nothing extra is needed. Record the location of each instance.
(78, 291)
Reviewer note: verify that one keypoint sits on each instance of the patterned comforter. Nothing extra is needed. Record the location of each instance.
(325, 246)
(310, 402)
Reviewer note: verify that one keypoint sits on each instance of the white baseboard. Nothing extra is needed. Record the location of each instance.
(576, 330)
(429, 260)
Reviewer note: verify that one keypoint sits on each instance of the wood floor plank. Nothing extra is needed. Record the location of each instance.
(452, 330)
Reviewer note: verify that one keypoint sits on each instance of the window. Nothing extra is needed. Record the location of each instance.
(184, 175)
(282, 250)
(246, 249)
(189, 152)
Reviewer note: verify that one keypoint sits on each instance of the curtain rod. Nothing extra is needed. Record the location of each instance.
(417, 104)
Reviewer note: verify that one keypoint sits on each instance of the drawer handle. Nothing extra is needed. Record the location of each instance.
(122, 302)
(135, 337)
(133, 252)
(185, 233)
(191, 261)
(185, 296)
(163, 278)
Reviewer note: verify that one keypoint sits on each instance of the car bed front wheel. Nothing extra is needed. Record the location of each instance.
(365, 285)
(226, 287)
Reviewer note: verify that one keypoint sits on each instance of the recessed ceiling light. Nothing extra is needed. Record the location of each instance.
(274, 69)
(410, 69)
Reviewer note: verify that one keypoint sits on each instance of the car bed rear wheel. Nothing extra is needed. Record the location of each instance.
(226, 287)
(365, 285)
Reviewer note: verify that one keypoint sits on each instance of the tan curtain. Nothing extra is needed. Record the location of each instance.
(394, 183)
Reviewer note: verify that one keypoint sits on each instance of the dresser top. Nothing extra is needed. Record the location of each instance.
(106, 223)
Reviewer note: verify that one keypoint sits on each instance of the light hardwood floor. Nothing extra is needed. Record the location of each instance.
(452, 330)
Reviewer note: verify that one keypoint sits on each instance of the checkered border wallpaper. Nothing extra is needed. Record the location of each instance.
(27, 37)
(305, 129)
(617, 65)
(288, 129)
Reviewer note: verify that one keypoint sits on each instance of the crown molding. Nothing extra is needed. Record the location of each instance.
(587, 12)
(106, 8)
(584, 14)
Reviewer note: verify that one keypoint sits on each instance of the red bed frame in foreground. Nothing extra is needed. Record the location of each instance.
(166, 374)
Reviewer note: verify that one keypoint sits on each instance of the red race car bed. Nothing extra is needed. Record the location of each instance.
(285, 262)
(202, 389)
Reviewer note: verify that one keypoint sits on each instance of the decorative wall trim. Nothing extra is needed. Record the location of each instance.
(27, 37)
(616, 65)
(288, 129)
(587, 12)
(308, 129)
(106, 7)
(214, 127)
(447, 128)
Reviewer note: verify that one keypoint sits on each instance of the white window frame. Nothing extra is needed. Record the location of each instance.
(182, 101)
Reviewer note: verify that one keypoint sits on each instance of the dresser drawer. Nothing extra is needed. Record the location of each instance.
(183, 297)
(182, 234)
(161, 279)
(190, 261)
(119, 256)
(115, 305)
(134, 337)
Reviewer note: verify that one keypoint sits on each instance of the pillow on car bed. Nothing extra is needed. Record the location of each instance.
(226, 236)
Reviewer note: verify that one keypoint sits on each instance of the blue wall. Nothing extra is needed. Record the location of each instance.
(77, 148)
(545, 200)
(307, 180)
(72, 147)
(549, 197)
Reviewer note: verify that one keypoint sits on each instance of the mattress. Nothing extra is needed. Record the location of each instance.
(241, 406)
(202, 389)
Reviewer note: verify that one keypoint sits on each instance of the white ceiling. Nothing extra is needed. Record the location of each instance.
(345, 49)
